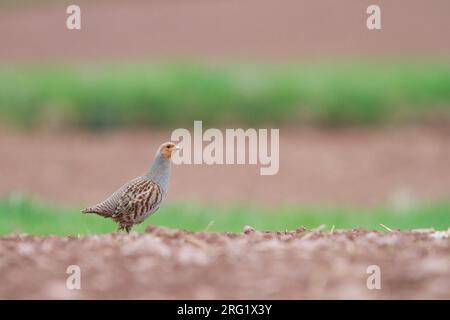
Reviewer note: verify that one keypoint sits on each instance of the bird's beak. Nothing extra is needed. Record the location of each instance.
(177, 147)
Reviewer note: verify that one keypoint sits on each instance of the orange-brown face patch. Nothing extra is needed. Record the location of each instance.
(167, 149)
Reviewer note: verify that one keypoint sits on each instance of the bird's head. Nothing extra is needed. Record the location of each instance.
(167, 148)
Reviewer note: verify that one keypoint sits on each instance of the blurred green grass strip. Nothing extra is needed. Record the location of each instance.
(25, 216)
(176, 94)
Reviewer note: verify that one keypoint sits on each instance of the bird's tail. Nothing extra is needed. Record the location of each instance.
(94, 209)
(89, 210)
(98, 209)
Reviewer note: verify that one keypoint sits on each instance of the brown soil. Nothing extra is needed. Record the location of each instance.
(354, 166)
(199, 29)
(171, 264)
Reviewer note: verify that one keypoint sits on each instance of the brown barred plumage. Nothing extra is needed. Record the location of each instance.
(140, 197)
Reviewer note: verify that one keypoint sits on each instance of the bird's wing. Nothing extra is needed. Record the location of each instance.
(139, 199)
(108, 207)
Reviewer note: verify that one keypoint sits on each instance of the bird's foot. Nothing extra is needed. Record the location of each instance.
(125, 228)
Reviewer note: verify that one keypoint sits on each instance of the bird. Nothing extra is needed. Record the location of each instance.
(140, 197)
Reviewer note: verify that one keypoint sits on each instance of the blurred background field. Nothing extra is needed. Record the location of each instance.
(363, 115)
(171, 95)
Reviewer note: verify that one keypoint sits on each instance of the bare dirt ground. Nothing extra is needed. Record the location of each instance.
(353, 166)
(199, 29)
(171, 264)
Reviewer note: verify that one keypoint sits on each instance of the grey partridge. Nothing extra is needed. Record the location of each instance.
(139, 198)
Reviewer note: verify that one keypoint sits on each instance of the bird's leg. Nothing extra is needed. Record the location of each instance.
(119, 227)
(128, 229)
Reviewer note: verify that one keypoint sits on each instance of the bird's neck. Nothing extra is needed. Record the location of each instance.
(159, 171)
